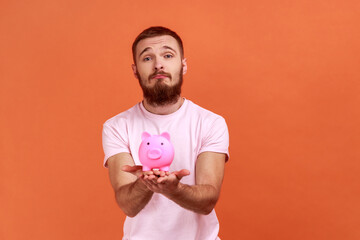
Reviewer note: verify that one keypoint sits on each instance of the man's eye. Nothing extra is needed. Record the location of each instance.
(168, 56)
(147, 59)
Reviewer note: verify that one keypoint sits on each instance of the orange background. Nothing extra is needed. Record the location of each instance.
(284, 74)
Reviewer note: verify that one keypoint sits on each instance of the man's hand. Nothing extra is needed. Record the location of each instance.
(147, 175)
(136, 171)
(164, 182)
(156, 180)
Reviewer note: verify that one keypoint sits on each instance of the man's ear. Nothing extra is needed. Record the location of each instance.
(184, 64)
(133, 66)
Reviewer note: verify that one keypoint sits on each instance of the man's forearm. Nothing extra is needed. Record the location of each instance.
(133, 197)
(198, 198)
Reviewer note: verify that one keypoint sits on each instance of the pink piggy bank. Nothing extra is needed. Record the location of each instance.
(156, 151)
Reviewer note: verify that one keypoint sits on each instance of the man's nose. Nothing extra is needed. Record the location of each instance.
(158, 65)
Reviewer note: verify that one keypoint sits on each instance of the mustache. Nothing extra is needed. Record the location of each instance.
(160, 73)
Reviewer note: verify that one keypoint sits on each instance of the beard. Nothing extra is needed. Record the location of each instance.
(161, 94)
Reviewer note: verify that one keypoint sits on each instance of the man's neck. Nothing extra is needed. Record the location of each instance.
(165, 109)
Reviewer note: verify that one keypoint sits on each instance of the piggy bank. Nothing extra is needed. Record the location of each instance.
(156, 151)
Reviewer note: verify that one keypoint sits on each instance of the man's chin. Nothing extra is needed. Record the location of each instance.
(163, 91)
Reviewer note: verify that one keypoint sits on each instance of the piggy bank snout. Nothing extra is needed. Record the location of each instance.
(154, 153)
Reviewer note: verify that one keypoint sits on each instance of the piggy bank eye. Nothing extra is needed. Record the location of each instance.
(148, 143)
(162, 143)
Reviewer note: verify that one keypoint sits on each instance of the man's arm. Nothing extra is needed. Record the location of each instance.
(201, 197)
(131, 193)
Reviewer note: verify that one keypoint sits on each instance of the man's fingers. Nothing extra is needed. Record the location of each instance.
(161, 179)
(182, 173)
(159, 173)
(152, 177)
(148, 172)
(135, 170)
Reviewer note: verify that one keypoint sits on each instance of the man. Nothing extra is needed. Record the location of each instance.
(178, 204)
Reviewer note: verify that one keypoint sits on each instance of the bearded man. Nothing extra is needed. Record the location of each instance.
(179, 203)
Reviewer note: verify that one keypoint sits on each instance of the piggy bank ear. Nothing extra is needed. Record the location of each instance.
(166, 135)
(145, 135)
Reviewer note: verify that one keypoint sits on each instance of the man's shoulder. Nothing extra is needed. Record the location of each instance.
(203, 112)
(124, 116)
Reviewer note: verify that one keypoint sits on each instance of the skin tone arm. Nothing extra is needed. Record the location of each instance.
(127, 180)
(201, 197)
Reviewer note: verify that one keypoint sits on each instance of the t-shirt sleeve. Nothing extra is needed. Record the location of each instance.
(114, 140)
(216, 138)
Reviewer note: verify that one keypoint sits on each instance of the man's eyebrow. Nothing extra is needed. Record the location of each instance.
(144, 51)
(166, 47)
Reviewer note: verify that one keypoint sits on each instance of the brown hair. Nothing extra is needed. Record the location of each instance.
(155, 32)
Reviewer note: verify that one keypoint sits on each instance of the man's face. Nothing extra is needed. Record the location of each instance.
(159, 69)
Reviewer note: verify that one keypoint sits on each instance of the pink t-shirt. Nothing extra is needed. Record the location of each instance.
(193, 130)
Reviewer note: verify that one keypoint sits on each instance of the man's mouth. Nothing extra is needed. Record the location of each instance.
(160, 76)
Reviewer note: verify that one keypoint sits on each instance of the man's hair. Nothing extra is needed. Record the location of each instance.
(155, 32)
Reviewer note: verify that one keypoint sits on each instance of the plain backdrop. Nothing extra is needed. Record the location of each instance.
(284, 74)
